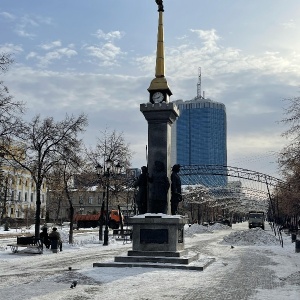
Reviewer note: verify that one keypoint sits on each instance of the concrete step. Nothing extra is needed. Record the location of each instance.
(197, 265)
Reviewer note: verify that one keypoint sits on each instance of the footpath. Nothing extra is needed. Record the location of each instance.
(251, 272)
(247, 267)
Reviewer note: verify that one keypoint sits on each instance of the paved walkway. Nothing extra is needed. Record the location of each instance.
(246, 269)
(239, 273)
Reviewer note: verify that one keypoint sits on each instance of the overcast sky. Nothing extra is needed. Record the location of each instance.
(98, 57)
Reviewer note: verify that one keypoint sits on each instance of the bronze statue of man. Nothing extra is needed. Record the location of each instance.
(160, 5)
(176, 195)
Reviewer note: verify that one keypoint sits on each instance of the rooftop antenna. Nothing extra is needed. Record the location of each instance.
(199, 84)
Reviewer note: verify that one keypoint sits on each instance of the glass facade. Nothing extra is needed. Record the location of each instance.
(199, 137)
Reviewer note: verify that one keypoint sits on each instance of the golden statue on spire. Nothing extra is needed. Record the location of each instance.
(159, 83)
(160, 5)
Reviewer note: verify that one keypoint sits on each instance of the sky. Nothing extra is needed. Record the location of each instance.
(98, 57)
(248, 264)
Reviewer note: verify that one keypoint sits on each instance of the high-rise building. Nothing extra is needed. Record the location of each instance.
(199, 137)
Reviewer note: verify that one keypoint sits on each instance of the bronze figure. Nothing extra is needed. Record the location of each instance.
(160, 5)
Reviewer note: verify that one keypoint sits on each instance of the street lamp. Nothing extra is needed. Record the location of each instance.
(108, 170)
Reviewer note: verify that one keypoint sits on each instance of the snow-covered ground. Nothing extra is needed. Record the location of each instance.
(249, 264)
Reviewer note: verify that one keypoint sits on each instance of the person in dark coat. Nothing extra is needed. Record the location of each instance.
(176, 196)
(45, 237)
(55, 239)
(142, 184)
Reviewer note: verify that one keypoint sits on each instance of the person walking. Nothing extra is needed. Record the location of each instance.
(55, 239)
(45, 237)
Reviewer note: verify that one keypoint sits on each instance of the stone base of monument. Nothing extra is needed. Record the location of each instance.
(158, 242)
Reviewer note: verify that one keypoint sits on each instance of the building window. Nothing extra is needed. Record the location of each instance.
(11, 211)
(31, 197)
(20, 181)
(90, 200)
(25, 196)
(12, 195)
(19, 196)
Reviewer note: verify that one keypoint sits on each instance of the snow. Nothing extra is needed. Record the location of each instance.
(254, 236)
(49, 276)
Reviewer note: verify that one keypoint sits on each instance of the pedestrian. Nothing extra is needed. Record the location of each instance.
(55, 239)
(142, 184)
(176, 196)
(45, 237)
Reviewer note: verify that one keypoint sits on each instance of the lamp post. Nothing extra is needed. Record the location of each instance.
(105, 172)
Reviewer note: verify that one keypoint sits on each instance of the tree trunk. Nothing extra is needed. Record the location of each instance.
(38, 211)
(71, 212)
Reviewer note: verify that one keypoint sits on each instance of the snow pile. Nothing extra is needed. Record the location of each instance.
(219, 226)
(254, 236)
(193, 229)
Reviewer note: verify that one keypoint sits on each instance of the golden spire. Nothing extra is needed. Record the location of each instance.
(160, 82)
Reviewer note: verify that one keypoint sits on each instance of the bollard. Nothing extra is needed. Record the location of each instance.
(297, 246)
(294, 235)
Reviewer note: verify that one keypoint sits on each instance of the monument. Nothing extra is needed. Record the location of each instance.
(158, 236)
(157, 231)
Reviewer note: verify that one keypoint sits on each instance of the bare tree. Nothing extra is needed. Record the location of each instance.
(10, 122)
(289, 161)
(112, 145)
(5, 61)
(37, 149)
(71, 164)
(10, 110)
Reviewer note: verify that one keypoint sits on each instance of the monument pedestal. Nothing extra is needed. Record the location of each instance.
(158, 242)
(157, 233)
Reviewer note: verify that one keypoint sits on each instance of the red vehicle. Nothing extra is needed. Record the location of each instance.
(92, 220)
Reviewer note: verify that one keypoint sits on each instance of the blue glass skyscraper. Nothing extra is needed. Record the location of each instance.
(199, 136)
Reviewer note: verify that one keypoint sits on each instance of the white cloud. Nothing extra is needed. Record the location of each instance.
(50, 57)
(106, 54)
(289, 24)
(51, 45)
(27, 23)
(7, 16)
(110, 36)
(11, 48)
(31, 55)
(23, 33)
(209, 38)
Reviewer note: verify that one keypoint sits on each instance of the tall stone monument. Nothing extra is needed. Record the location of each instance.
(157, 233)
(157, 236)
(160, 115)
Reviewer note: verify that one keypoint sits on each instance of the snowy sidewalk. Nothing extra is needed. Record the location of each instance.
(258, 269)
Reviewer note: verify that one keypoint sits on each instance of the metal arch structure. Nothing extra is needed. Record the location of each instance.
(220, 170)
